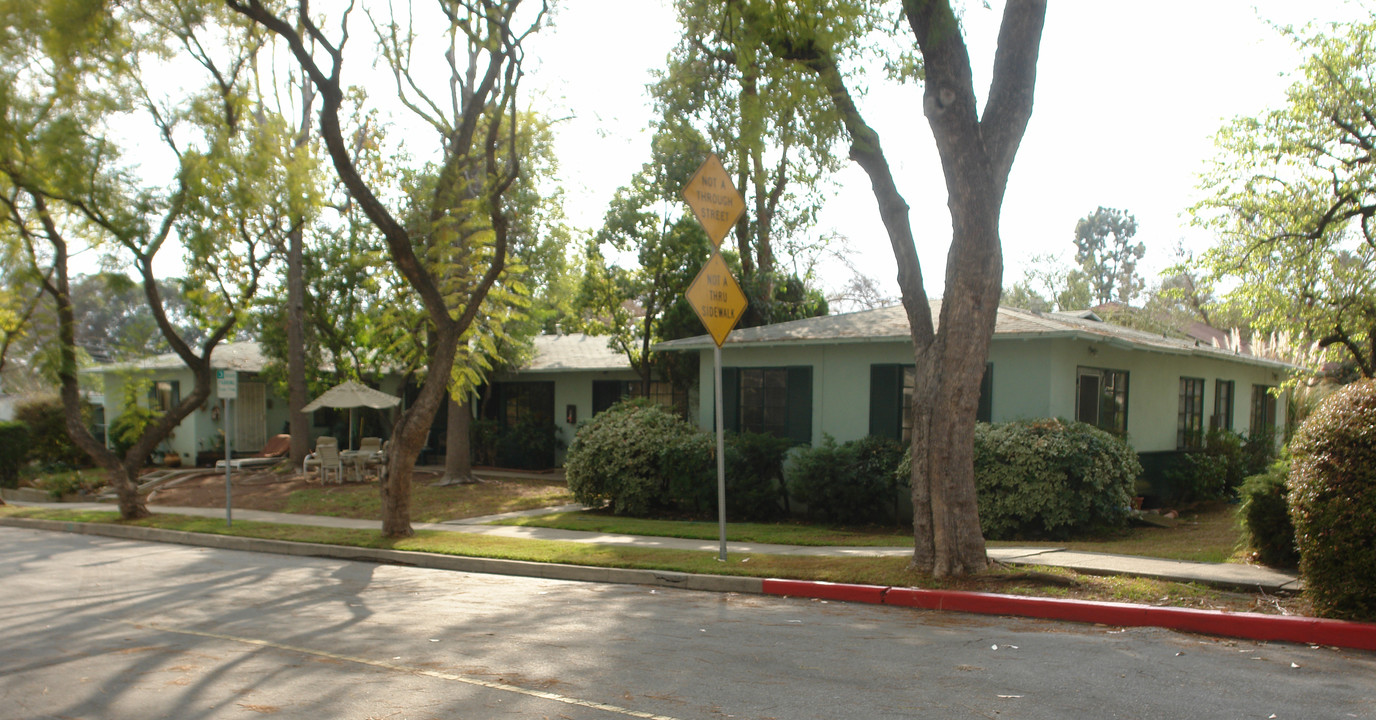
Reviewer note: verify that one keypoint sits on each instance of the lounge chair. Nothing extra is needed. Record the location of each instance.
(325, 457)
(272, 453)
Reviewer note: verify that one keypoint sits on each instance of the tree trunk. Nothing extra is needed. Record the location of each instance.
(976, 156)
(458, 456)
(297, 394)
(409, 436)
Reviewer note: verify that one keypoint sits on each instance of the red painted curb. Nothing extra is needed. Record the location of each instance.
(1286, 628)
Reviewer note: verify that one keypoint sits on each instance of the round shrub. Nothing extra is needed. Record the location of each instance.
(1333, 503)
(1051, 479)
(1265, 516)
(614, 459)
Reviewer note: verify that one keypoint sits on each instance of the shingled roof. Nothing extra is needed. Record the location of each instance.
(553, 353)
(241, 356)
(576, 351)
(891, 324)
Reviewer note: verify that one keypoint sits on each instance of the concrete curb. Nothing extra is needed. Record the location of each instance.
(1250, 626)
(580, 573)
(1312, 631)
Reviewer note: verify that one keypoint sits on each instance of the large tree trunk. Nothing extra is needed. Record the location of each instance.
(976, 156)
(297, 395)
(409, 437)
(458, 456)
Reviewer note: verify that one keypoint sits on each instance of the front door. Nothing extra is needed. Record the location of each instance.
(251, 417)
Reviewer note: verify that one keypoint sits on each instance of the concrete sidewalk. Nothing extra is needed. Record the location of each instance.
(1223, 575)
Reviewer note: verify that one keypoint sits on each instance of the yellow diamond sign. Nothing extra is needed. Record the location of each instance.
(716, 298)
(714, 199)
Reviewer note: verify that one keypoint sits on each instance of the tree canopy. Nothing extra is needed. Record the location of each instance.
(1107, 256)
(1292, 199)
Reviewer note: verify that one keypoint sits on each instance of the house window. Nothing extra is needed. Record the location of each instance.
(517, 403)
(164, 395)
(1263, 410)
(1102, 399)
(606, 393)
(1189, 425)
(777, 401)
(1223, 405)
(764, 401)
(891, 400)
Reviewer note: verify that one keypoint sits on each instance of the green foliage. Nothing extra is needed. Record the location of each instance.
(14, 449)
(1051, 479)
(773, 124)
(689, 466)
(754, 476)
(1049, 284)
(647, 462)
(789, 298)
(134, 418)
(852, 483)
(527, 445)
(1290, 194)
(483, 434)
(615, 457)
(1216, 471)
(60, 484)
(1333, 503)
(670, 249)
(1265, 516)
(49, 441)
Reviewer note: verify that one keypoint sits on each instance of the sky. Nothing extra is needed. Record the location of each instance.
(1128, 97)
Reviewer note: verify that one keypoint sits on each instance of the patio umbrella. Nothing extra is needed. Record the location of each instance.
(352, 395)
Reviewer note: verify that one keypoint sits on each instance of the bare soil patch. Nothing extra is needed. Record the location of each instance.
(255, 489)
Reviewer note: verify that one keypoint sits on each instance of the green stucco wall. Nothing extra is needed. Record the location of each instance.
(1032, 378)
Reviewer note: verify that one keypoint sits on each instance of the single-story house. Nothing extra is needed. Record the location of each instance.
(570, 378)
(258, 414)
(850, 375)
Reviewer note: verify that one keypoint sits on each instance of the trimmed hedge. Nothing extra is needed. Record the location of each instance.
(1333, 503)
(853, 483)
(1051, 479)
(754, 475)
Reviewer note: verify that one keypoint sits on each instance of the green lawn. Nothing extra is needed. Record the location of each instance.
(1209, 534)
(774, 533)
(874, 571)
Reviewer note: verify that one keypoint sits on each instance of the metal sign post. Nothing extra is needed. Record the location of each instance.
(227, 387)
(715, 295)
(229, 504)
(721, 458)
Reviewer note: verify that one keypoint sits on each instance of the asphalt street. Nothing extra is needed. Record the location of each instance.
(98, 627)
